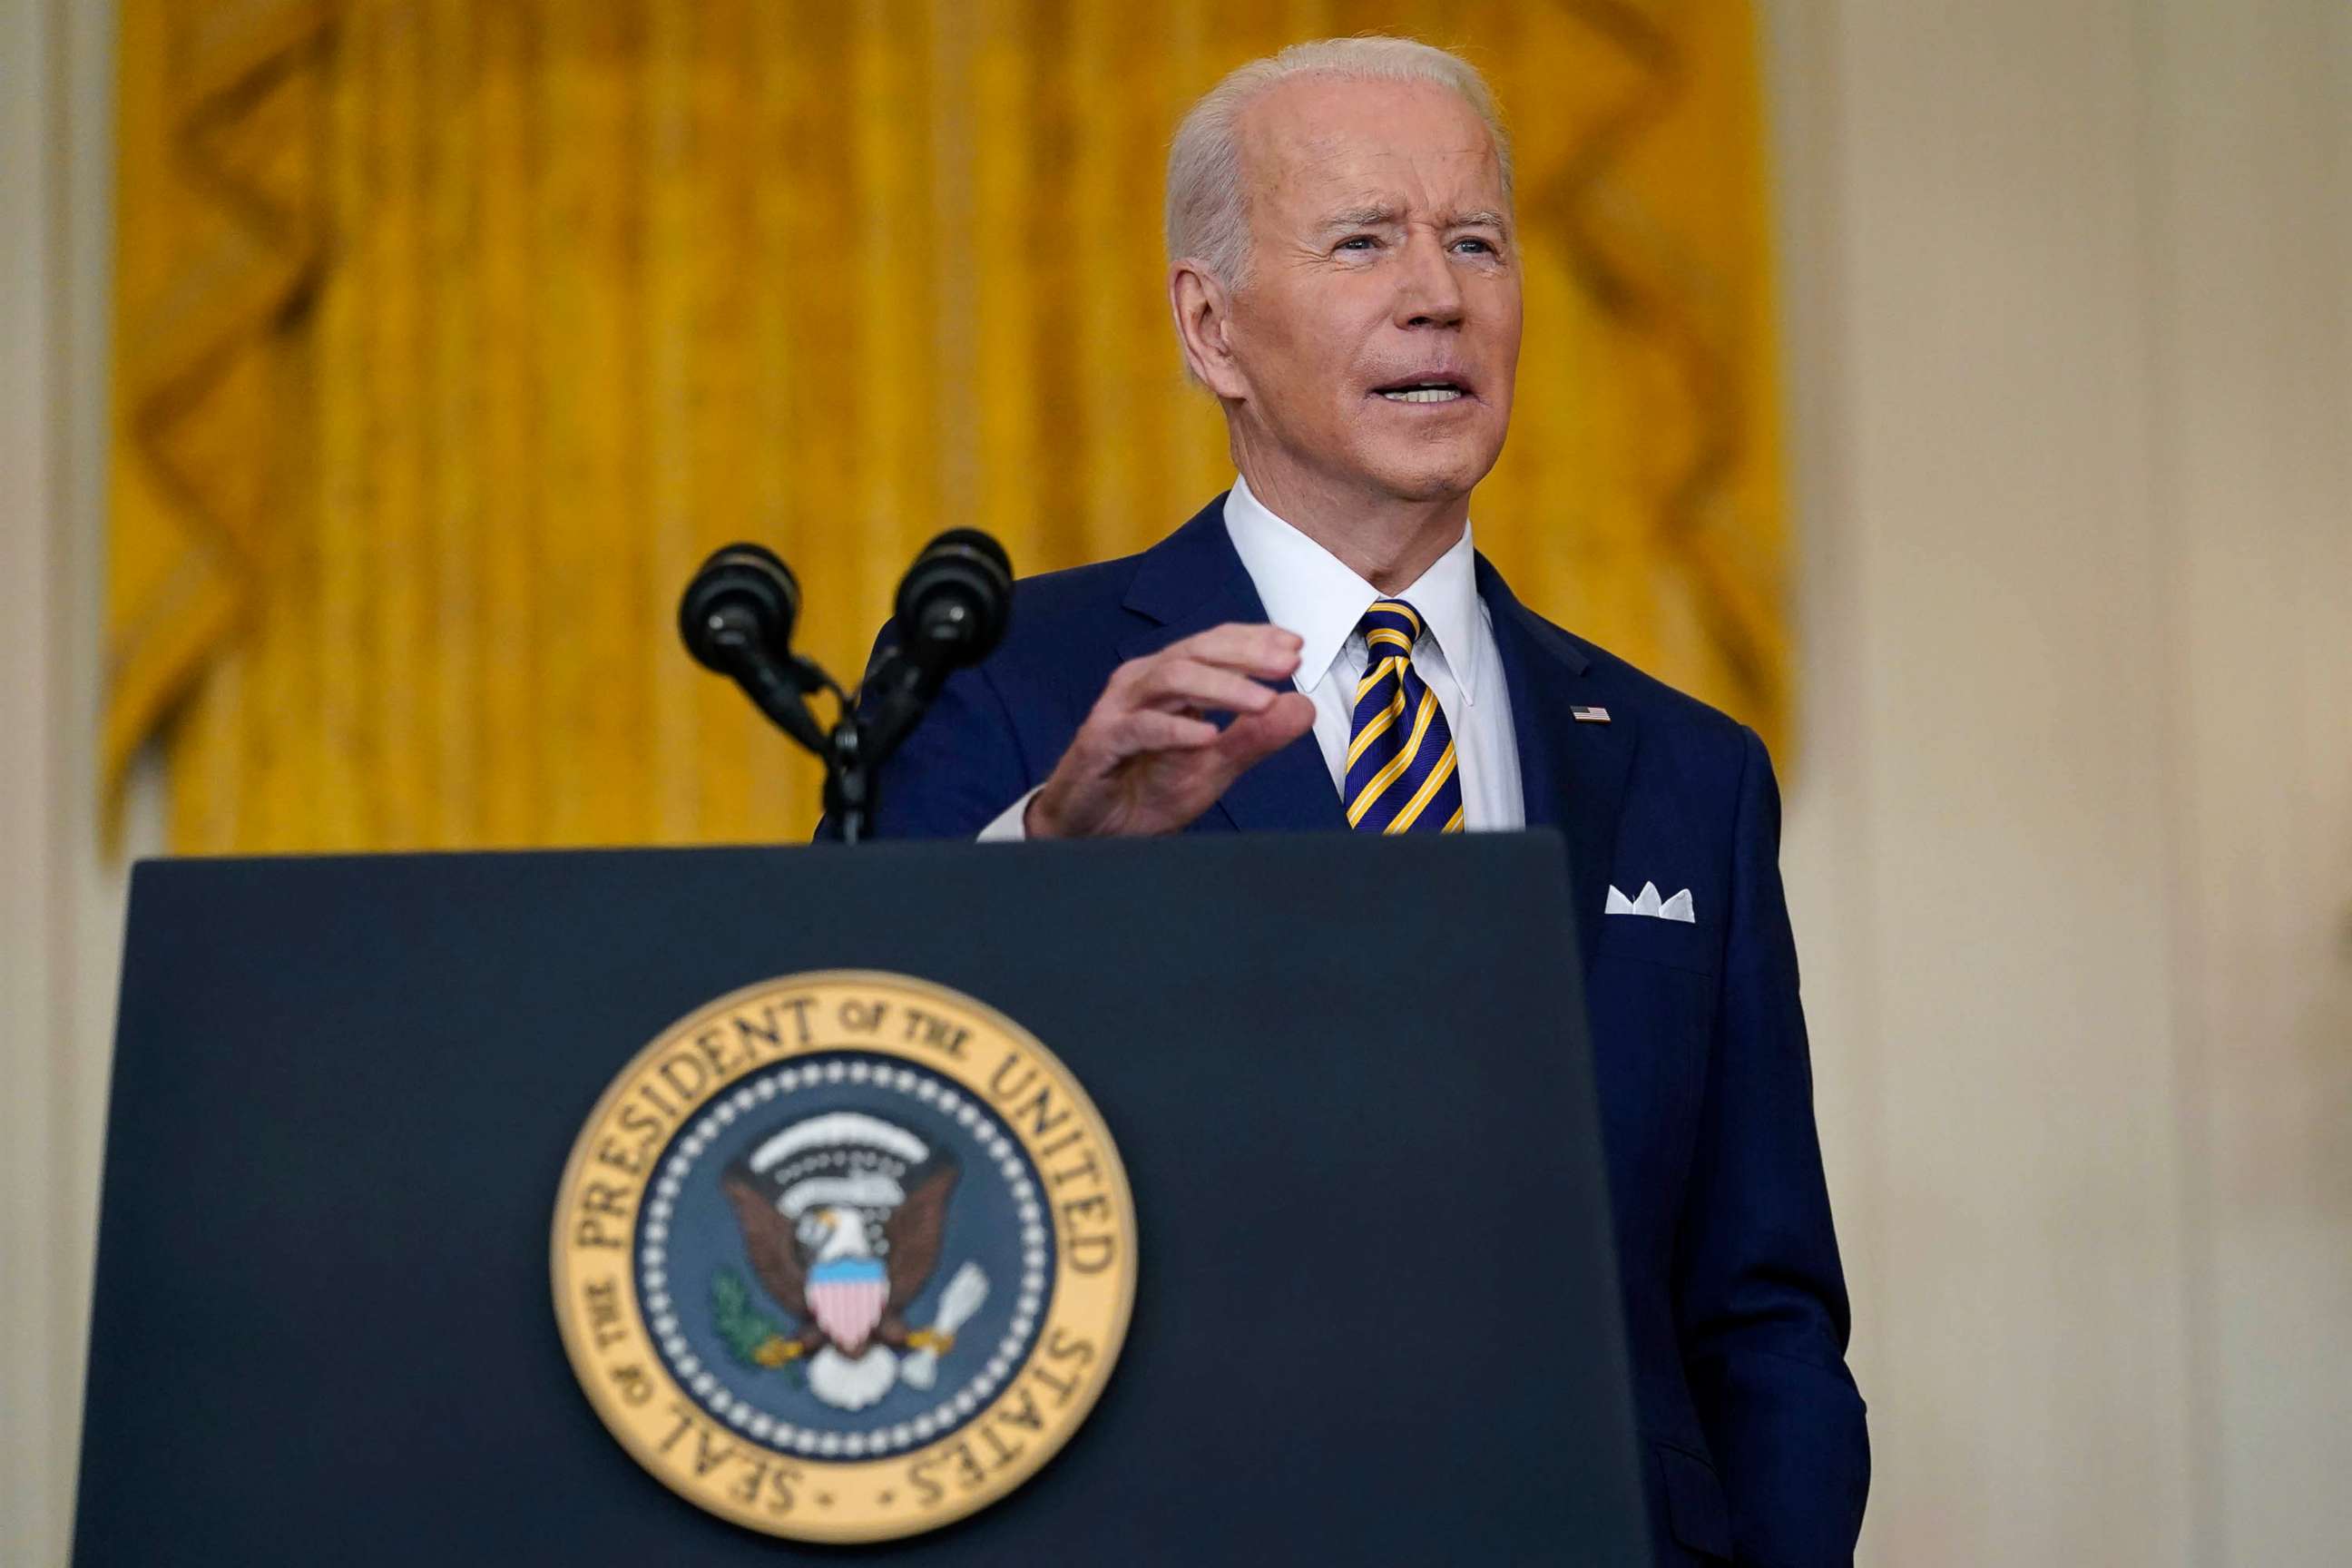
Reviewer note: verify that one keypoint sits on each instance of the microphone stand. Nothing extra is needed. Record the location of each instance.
(848, 778)
(736, 618)
(895, 694)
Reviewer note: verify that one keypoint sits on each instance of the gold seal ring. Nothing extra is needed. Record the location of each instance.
(844, 1256)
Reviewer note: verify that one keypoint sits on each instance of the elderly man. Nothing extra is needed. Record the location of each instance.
(1345, 278)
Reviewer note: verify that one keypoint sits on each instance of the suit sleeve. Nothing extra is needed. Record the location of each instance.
(1761, 1295)
(958, 769)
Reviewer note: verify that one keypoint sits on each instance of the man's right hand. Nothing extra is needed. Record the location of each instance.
(1146, 762)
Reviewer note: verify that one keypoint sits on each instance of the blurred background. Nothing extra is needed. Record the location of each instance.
(1960, 395)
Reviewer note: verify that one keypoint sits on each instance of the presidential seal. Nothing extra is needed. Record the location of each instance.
(844, 1256)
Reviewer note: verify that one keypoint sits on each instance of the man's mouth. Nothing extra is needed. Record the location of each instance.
(1424, 389)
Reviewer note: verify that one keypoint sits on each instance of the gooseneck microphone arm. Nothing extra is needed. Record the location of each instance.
(737, 617)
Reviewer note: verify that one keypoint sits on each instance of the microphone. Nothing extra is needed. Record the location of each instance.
(736, 618)
(953, 605)
(954, 602)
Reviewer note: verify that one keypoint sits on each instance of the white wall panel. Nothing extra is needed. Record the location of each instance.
(30, 1383)
(2252, 141)
(60, 904)
(2072, 843)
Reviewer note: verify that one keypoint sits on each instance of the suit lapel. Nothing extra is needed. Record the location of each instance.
(1572, 774)
(1190, 582)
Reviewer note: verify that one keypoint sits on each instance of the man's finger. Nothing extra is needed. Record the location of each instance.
(1265, 651)
(1150, 730)
(1189, 682)
(1253, 737)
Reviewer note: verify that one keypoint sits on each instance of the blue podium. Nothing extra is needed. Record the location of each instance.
(1375, 1317)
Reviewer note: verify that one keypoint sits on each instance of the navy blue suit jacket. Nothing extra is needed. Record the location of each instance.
(1734, 1302)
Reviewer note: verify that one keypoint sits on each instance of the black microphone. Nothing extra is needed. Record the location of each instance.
(954, 602)
(736, 617)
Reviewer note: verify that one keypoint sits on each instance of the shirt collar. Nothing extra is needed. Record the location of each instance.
(1310, 592)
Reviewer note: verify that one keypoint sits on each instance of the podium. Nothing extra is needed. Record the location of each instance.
(1375, 1315)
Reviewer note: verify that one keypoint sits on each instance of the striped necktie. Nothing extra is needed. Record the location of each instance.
(1402, 771)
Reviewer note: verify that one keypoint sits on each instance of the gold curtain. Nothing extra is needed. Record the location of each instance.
(452, 333)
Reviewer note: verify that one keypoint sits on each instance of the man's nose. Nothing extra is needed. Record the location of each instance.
(1430, 292)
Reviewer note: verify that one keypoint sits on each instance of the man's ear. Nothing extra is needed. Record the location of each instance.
(1203, 307)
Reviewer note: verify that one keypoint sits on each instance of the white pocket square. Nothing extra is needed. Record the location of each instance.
(1677, 908)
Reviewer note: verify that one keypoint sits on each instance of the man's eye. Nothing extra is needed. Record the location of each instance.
(1363, 241)
(1481, 244)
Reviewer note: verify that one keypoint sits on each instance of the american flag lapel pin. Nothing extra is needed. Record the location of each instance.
(1589, 715)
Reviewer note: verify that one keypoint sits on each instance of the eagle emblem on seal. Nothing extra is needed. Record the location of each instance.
(842, 1216)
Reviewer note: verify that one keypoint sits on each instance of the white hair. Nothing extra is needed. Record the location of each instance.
(1208, 209)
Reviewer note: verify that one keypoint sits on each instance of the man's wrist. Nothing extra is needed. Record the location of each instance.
(1035, 819)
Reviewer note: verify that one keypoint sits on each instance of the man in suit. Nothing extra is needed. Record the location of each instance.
(1322, 649)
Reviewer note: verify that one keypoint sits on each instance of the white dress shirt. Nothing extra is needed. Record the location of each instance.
(1309, 592)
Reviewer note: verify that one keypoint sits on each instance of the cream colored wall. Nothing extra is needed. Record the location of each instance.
(2070, 301)
(27, 1380)
(2258, 304)
(60, 909)
(2070, 342)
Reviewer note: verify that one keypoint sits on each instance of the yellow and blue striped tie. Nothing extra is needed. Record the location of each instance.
(1403, 776)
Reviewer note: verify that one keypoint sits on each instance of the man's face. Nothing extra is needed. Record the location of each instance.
(1383, 258)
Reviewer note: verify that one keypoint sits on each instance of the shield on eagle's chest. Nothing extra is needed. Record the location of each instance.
(847, 1294)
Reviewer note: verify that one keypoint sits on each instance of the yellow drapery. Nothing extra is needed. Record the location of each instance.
(451, 335)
